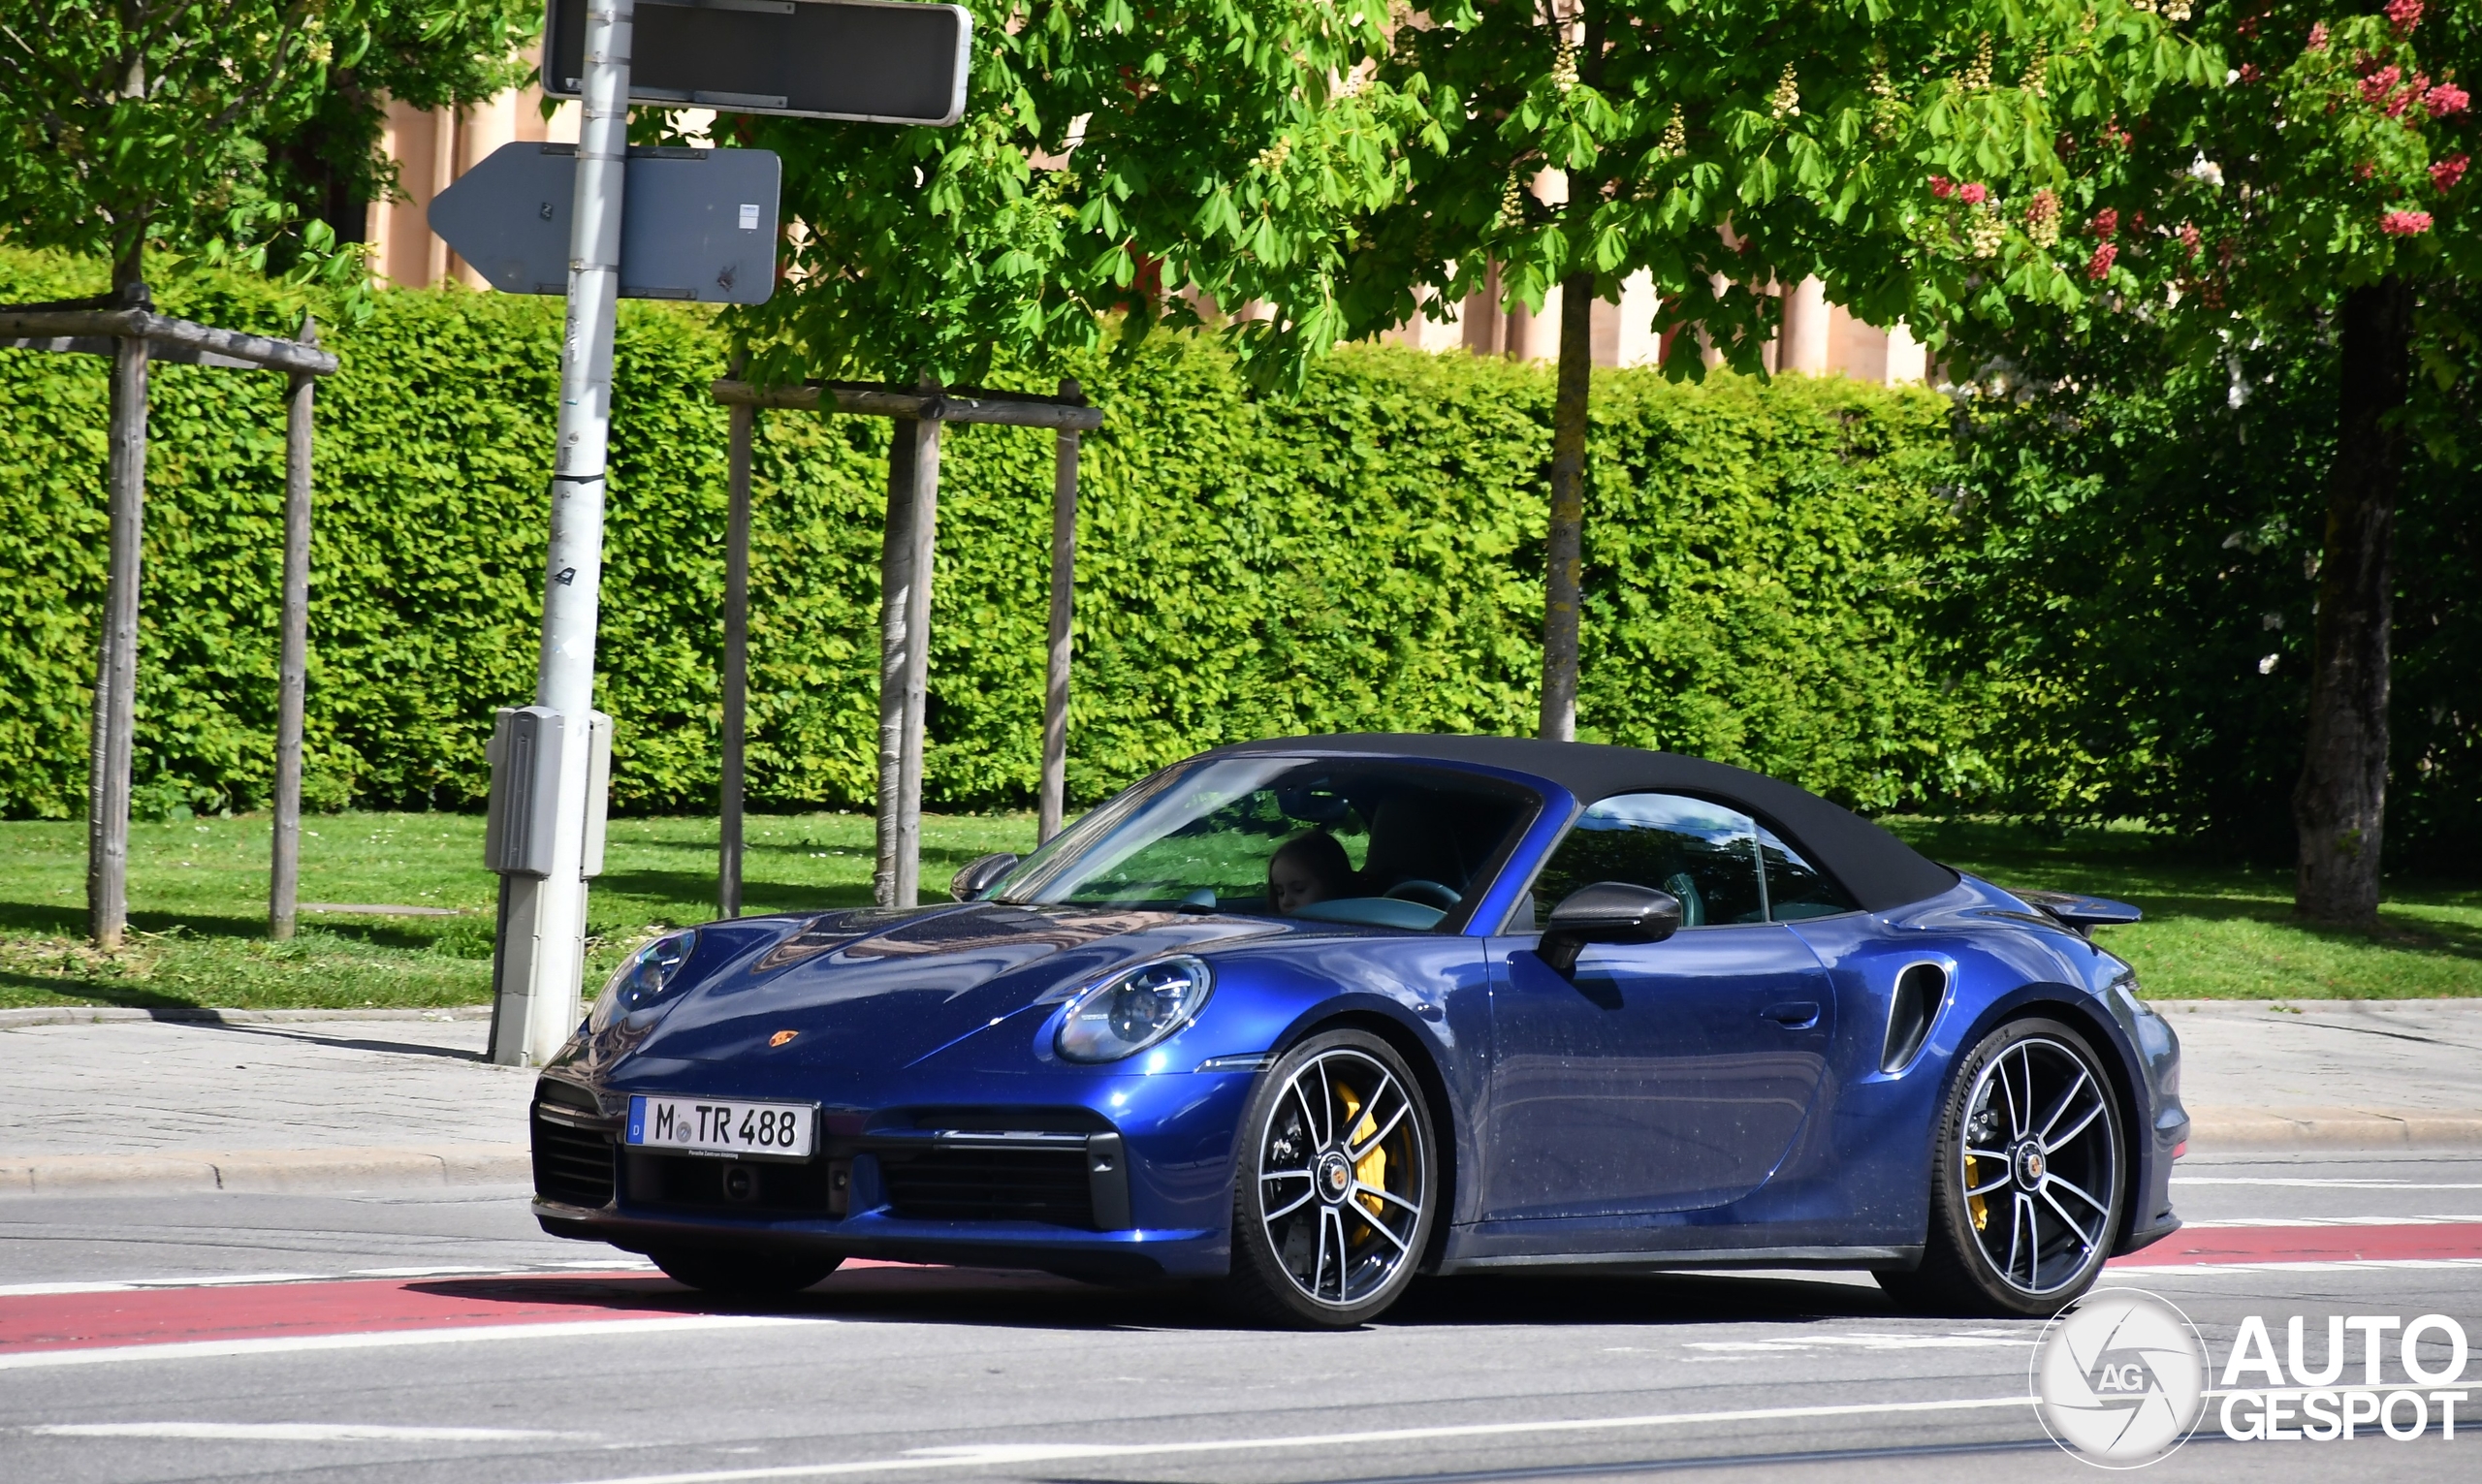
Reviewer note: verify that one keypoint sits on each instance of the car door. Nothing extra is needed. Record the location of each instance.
(1657, 1077)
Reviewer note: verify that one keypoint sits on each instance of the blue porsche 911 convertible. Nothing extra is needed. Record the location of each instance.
(1304, 1019)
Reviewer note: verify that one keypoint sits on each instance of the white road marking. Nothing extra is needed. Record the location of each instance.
(296, 1432)
(1866, 1343)
(480, 1333)
(975, 1455)
(2305, 1183)
(133, 1284)
(617, 1262)
(2314, 1265)
(2190, 1226)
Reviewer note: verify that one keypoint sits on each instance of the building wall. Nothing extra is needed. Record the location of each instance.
(432, 147)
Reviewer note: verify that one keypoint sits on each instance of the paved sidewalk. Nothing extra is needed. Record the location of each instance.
(373, 1099)
(2371, 1074)
(259, 1105)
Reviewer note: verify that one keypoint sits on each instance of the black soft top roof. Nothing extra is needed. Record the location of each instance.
(1878, 869)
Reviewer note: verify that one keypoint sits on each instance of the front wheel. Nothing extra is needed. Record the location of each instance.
(742, 1275)
(2026, 1188)
(1333, 1185)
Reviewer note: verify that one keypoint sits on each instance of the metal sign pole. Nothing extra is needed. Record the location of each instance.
(544, 943)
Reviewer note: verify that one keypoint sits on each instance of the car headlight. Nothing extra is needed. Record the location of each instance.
(1133, 1009)
(644, 979)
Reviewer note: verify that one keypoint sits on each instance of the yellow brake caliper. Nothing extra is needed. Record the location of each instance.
(1973, 1203)
(1370, 1169)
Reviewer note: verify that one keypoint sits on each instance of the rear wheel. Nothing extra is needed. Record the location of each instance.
(742, 1275)
(1333, 1185)
(2027, 1180)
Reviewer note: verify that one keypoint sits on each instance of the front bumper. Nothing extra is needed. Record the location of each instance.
(1064, 1187)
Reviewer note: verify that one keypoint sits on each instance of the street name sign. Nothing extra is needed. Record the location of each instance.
(695, 224)
(869, 61)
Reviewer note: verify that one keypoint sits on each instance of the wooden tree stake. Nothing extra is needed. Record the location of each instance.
(736, 659)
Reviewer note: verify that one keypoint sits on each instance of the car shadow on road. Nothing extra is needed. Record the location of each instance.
(899, 1293)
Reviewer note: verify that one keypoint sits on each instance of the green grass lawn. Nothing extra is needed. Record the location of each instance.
(197, 903)
(2215, 931)
(198, 899)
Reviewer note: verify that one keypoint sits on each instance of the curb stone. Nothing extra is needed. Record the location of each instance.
(266, 1172)
(2276, 1130)
(88, 1015)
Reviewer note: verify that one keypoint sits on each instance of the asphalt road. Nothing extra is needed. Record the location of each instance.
(440, 1338)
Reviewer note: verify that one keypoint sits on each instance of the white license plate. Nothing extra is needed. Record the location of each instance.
(714, 1126)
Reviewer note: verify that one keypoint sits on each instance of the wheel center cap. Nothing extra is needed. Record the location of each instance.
(2030, 1164)
(1335, 1177)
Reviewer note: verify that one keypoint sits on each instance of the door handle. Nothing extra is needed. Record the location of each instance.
(1794, 1014)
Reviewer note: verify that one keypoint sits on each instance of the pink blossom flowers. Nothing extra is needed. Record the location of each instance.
(1942, 187)
(2446, 101)
(1973, 195)
(2445, 174)
(2405, 224)
(2100, 264)
(2190, 235)
(2379, 84)
(2106, 222)
(2404, 16)
(2318, 35)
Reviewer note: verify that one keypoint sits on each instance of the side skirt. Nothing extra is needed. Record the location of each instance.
(1874, 1258)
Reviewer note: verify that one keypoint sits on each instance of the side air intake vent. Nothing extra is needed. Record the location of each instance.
(1919, 990)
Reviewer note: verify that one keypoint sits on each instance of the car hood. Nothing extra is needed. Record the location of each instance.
(883, 988)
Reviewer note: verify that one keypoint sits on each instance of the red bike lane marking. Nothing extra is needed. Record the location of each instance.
(139, 1318)
(72, 1322)
(2221, 1245)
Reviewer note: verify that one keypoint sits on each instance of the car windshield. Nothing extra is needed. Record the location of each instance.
(1376, 842)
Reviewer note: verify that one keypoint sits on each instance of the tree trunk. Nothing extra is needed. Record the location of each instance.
(112, 741)
(2339, 805)
(1565, 545)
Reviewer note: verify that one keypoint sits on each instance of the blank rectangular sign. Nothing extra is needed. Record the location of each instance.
(695, 224)
(870, 61)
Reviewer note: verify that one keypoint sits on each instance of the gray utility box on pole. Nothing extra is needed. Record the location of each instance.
(695, 224)
(528, 749)
(868, 61)
(525, 790)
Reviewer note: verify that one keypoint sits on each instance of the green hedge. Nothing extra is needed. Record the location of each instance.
(1365, 556)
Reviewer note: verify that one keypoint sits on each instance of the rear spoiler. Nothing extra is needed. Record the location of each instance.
(2082, 914)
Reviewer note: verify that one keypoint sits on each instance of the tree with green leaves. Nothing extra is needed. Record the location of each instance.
(211, 128)
(1110, 163)
(1721, 147)
(2319, 194)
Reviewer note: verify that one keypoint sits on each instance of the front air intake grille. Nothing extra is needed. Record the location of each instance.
(1050, 1185)
(739, 1188)
(572, 1164)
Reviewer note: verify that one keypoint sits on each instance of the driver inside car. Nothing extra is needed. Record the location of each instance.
(1307, 868)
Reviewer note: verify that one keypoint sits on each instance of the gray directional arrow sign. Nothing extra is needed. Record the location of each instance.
(695, 224)
(872, 62)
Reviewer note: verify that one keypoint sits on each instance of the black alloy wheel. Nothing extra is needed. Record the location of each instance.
(2028, 1179)
(1333, 1185)
(742, 1275)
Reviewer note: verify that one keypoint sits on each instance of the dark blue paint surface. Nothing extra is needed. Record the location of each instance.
(1716, 1093)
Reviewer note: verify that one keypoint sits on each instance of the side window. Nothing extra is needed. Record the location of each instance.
(1795, 888)
(1702, 853)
